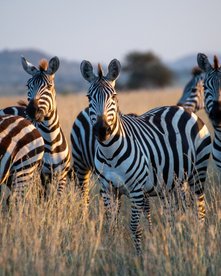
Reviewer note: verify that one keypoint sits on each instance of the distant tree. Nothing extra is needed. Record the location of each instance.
(145, 70)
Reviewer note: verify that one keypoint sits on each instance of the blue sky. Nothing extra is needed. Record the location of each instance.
(102, 30)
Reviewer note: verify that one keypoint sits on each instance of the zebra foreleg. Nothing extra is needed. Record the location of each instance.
(135, 226)
(45, 182)
(82, 182)
(112, 204)
(147, 211)
(201, 209)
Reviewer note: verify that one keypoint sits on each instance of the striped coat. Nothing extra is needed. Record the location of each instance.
(142, 156)
(21, 152)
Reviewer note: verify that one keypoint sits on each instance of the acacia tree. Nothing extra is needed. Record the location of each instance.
(145, 70)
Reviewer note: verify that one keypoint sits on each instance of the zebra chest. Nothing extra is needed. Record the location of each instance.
(112, 174)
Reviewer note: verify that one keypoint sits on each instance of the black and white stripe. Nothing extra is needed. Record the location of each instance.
(212, 98)
(142, 156)
(21, 152)
(83, 151)
(42, 111)
(192, 98)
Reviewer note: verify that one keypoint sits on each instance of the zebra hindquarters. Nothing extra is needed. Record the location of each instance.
(23, 179)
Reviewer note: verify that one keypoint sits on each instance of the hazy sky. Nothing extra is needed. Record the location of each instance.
(99, 30)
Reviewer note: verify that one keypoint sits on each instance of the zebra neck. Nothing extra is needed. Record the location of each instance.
(194, 103)
(217, 134)
(50, 127)
(109, 146)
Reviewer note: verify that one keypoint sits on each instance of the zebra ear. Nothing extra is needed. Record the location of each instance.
(53, 65)
(203, 62)
(87, 71)
(113, 70)
(28, 67)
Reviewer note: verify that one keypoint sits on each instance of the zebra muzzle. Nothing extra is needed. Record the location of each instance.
(34, 112)
(101, 129)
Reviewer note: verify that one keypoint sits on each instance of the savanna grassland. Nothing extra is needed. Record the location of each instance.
(54, 238)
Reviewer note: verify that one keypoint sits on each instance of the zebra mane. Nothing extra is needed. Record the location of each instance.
(22, 103)
(216, 62)
(43, 65)
(196, 71)
(99, 71)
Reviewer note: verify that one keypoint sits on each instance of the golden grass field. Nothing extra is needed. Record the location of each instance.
(54, 238)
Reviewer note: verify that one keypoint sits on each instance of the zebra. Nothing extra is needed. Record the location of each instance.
(41, 109)
(21, 153)
(142, 156)
(192, 98)
(83, 139)
(212, 86)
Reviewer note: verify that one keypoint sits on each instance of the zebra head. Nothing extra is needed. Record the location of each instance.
(212, 87)
(41, 91)
(103, 106)
(193, 92)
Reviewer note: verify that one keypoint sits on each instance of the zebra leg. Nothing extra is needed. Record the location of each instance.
(62, 183)
(112, 203)
(201, 209)
(180, 200)
(147, 211)
(117, 205)
(107, 202)
(197, 187)
(82, 182)
(45, 182)
(20, 182)
(135, 226)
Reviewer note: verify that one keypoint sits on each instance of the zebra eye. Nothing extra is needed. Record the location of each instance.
(114, 97)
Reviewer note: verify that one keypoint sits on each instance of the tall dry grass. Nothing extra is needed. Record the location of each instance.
(54, 238)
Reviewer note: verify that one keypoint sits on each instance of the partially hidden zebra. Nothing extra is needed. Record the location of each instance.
(212, 87)
(21, 153)
(41, 109)
(192, 98)
(142, 156)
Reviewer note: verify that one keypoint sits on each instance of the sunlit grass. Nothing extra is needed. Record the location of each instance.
(54, 237)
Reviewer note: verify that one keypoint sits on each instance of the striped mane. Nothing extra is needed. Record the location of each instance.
(99, 71)
(43, 65)
(216, 62)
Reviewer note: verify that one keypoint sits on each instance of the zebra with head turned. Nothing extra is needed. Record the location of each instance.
(212, 87)
(192, 98)
(21, 152)
(142, 156)
(41, 109)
